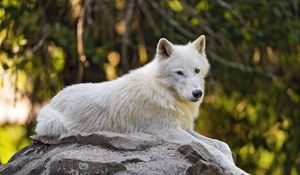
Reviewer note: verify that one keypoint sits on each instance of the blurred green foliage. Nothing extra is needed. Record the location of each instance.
(13, 138)
(253, 89)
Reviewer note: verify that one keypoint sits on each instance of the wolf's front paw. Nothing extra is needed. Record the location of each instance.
(237, 171)
(224, 148)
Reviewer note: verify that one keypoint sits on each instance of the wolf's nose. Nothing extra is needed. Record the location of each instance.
(197, 93)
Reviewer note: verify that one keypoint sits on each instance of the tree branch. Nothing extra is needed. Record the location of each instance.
(171, 20)
(80, 44)
(125, 38)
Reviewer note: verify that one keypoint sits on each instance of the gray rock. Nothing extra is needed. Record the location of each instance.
(202, 164)
(110, 153)
(131, 141)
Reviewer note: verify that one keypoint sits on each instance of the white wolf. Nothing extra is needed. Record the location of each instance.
(160, 98)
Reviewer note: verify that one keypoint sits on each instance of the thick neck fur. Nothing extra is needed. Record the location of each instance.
(184, 111)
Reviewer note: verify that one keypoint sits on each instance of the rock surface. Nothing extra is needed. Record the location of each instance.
(110, 153)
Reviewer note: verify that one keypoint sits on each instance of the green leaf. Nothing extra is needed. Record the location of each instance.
(175, 5)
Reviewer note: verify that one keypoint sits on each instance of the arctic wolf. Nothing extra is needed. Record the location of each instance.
(160, 98)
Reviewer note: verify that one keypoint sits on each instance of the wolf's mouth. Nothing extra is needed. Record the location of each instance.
(194, 99)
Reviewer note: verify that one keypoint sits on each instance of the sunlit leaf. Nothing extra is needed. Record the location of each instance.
(194, 21)
(120, 27)
(110, 71)
(58, 57)
(202, 5)
(113, 58)
(143, 57)
(120, 4)
(266, 159)
(175, 5)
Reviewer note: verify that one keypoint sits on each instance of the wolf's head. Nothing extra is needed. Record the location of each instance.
(183, 68)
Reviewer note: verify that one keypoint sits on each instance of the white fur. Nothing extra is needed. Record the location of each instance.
(152, 99)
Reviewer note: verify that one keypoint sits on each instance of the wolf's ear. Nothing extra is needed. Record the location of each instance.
(200, 44)
(164, 47)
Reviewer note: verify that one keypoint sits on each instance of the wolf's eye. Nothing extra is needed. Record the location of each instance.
(197, 70)
(179, 72)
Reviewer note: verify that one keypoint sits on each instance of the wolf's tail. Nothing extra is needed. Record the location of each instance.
(49, 122)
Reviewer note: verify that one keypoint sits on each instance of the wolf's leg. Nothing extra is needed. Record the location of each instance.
(223, 147)
(183, 137)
